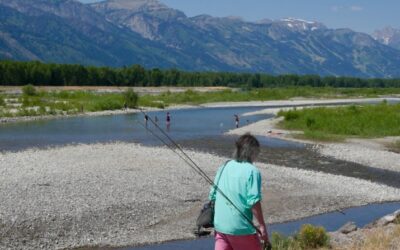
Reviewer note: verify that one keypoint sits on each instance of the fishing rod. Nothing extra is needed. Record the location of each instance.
(194, 166)
(192, 163)
(169, 146)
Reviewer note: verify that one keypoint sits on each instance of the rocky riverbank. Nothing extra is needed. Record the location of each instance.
(383, 234)
(125, 194)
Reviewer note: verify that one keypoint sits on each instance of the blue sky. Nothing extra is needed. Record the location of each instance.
(359, 15)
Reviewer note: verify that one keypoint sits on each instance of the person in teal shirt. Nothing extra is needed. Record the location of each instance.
(240, 181)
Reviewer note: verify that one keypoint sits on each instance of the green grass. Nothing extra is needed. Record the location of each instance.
(72, 102)
(192, 97)
(85, 100)
(323, 123)
(2, 102)
(65, 102)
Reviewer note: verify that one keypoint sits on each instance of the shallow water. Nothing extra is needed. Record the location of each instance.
(330, 221)
(186, 124)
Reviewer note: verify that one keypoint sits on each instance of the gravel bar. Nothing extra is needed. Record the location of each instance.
(376, 158)
(122, 194)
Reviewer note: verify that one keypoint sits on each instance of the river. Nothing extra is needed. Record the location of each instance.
(200, 129)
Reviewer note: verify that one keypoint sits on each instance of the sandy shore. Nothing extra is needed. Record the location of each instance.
(126, 194)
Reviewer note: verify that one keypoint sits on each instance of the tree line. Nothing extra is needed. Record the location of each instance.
(50, 74)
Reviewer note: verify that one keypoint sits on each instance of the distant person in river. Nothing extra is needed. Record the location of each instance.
(240, 180)
(236, 120)
(168, 121)
(146, 119)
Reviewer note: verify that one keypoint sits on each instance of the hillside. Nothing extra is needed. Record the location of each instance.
(147, 32)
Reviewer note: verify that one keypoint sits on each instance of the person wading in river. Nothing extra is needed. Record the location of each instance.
(236, 120)
(146, 119)
(240, 181)
(168, 121)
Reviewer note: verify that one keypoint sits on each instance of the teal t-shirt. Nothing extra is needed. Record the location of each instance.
(241, 183)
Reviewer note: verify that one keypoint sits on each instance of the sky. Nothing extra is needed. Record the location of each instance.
(359, 15)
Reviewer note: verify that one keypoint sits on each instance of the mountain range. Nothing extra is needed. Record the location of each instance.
(124, 32)
(388, 36)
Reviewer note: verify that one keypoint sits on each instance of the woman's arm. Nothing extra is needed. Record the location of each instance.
(257, 213)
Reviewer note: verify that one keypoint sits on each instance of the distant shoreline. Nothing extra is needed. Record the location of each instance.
(271, 104)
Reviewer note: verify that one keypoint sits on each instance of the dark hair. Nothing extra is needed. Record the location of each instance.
(247, 148)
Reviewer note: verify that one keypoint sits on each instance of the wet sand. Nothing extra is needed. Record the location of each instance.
(305, 157)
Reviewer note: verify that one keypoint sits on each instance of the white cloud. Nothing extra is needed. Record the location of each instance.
(353, 8)
(335, 8)
(356, 8)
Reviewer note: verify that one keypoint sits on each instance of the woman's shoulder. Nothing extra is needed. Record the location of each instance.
(250, 167)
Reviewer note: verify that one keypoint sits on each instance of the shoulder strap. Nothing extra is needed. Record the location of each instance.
(216, 185)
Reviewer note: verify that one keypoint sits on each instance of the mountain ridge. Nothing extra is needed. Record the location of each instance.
(147, 32)
(389, 36)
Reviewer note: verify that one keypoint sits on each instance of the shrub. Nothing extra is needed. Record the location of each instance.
(52, 111)
(31, 101)
(311, 237)
(130, 98)
(397, 220)
(280, 242)
(150, 103)
(2, 102)
(4, 113)
(310, 122)
(291, 115)
(29, 90)
(42, 110)
(63, 94)
(107, 104)
(159, 105)
(27, 112)
(353, 108)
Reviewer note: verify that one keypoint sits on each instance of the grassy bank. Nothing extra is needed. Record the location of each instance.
(191, 97)
(378, 238)
(338, 123)
(35, 103)
(312, 237)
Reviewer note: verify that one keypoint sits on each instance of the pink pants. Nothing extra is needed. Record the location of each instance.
(236, 242)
